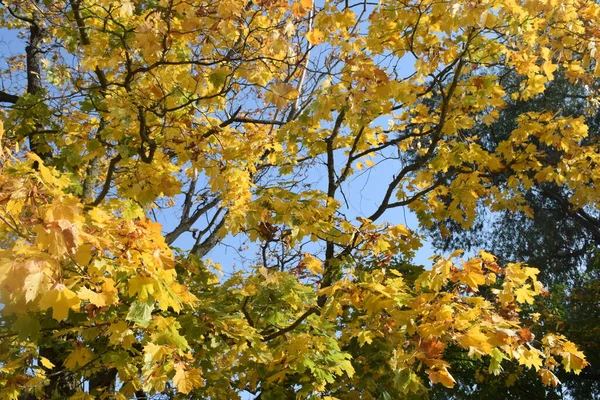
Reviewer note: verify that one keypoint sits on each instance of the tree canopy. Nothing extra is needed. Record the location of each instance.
(132, 128)
(563, 241)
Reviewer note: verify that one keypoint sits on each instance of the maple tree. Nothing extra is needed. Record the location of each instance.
(224, 112)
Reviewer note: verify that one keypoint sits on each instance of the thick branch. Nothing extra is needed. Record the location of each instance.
(106, 187)
(201, 249)
(436, 136)
(346, 171)
(85, 40)
(245, 312)
(189, 197)
(258, 121)
(187, 222)
(417, 195)
(33, 56)
(585, 220)
(332, 183)
(8, 98)
(308, 313)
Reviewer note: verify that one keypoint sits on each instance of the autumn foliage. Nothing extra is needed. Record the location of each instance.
(254, 120)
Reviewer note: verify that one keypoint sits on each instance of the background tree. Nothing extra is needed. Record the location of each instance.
(254, 119)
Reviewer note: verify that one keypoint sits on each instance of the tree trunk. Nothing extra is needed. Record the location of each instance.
(33, 54)
(62, 383)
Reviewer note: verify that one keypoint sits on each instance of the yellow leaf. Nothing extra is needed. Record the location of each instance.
(83, 255)
(298, 9)
(186, 381)
(33, 285)
(277, 376)
(119, 334)
(142, 285)
(46, 363)
(548, 378)
(475, 341)
(78, 358)
(97, 299)
(155, 353)
(472, 274)
(573, 359)
(280, 94)
(60, 299)
(485, 256)
(315, 37)
(549, 69)
(441, 376)
(531, 358)
(126, 8)
(525, 294)
(312, 264)
(365, 337)
(45, 172)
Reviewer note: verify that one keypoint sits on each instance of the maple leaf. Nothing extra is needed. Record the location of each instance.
(531, 358)
(127, 8)
(441, 376)
(525, 295)
(315, 37)
(140, 312)
(187, 380)
(97, 299)
(280, 94)
(526, 335)
(475, 340)
(144, 286)
(78, 357)
(46, 174)
(70, 234)
(46, 363)
(365, 337)
(313, 264)
(473, 274)
(34, 284)
(548, 378)
(572, 358)
(61, 299)
(433, 349)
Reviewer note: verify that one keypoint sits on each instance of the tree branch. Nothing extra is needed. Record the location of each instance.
(106, 187)
(283, 331)
(8, 98)
(245, 311)
(201, 249)
(187, 222)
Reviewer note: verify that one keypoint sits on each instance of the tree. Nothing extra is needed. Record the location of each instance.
(253, 119)
(560, 240)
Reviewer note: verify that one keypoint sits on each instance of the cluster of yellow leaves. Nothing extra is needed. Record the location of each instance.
(445, 307)
(72, 263)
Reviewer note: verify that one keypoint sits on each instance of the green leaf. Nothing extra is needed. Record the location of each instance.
(141, 312)
(27, 327)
